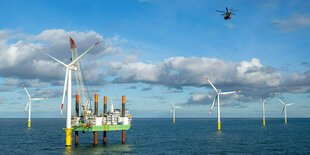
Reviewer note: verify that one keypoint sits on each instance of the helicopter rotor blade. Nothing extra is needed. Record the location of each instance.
(220, 11)
(233, 14)
(223, 14)
(226, 9)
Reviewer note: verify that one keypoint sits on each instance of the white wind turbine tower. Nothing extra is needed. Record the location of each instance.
(68, 84)
(263, 104)
(29, 105)
(173, 110)
(217, 97)
(284, 109)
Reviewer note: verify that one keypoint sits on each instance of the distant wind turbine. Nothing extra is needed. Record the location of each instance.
(173, 110)
(263, 105)
(29, 105)
(284, 109)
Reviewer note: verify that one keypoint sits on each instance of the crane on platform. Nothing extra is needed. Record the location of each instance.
(80, 81)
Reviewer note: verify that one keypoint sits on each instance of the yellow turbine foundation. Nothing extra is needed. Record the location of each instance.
(263, 122)
(219, 126)
(68, 137)
(29, 124)
(174, 120)
(285, 120)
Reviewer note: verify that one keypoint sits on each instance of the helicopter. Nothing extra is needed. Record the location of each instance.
(227, 13)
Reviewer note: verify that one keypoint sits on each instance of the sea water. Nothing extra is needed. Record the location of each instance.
(161, 136)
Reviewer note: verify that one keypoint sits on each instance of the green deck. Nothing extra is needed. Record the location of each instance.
(102, 128)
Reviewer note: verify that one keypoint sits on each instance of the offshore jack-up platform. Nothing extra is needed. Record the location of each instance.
(115, 119)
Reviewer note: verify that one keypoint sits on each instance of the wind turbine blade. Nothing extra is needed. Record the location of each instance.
(282, 102)
(172, 103)
(38, 98)
(26, 106)
(64, 93)
(283, 110)
(171, 111)
(79, 57)
(211, 84)
(231, 92)
(215, 98)
(26, 91)
(55, 59)
(290, 104)
(178, 107)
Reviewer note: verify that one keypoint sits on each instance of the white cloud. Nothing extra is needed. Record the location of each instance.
(22, 60)
(295, 21)
(48, 93)
(2, 100)
(208, 98)
(199, 97)
(130, 58)
(252, 77)
(181, 71)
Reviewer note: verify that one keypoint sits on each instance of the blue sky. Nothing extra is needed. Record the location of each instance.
(156, 51)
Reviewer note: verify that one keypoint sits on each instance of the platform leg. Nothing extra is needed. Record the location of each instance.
(123, 136)
(104, 137)
(123, 115)
(76, 138)
(95, 138)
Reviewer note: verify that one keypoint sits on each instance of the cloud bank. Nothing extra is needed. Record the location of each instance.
(20, 61)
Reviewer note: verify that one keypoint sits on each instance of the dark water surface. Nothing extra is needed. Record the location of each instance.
(161, 136)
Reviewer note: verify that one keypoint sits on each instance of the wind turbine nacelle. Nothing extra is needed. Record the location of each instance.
(74, 67)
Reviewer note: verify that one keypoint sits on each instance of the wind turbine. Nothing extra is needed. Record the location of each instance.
(284, 109)
(263, 104)
(173, 110)
(29, 105)
(68, 84)
(217, 97)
